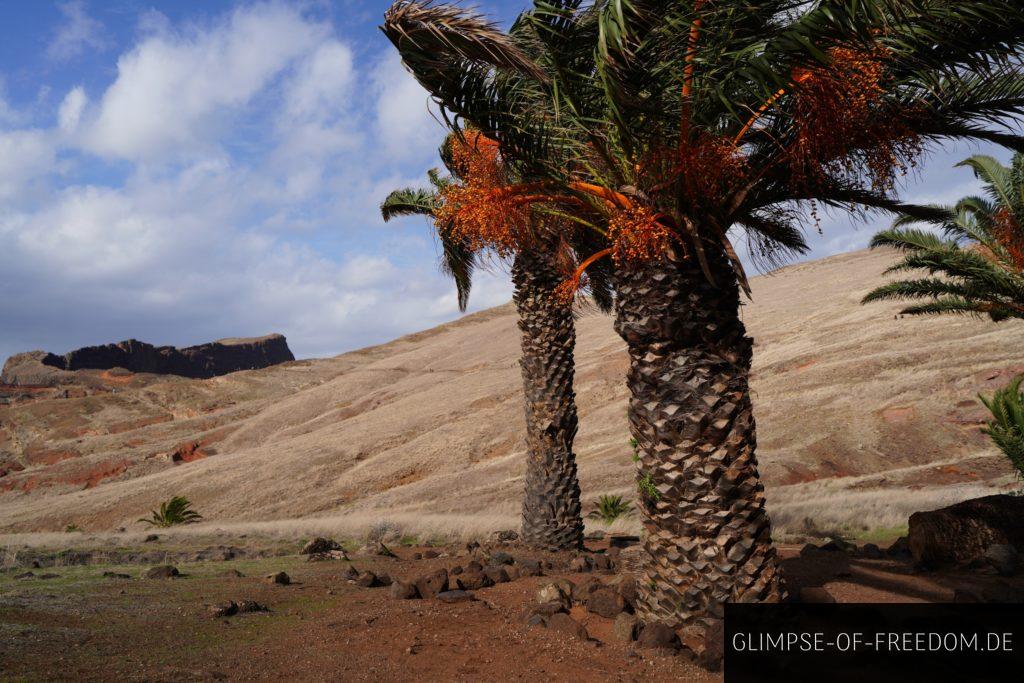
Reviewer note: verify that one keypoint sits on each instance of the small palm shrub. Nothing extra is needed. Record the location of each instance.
(1007, 424)
(610, 508)
(177, 510)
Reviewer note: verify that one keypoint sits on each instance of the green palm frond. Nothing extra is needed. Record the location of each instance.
(408, 202)
(1006, 428)
(177, 510)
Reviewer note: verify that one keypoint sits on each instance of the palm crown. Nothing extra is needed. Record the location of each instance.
(980, 259)
(663, 121)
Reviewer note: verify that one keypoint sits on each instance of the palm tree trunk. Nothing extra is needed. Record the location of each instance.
(708, 536)
(551, 507)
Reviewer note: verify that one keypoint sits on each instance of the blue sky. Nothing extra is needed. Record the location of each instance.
(183, 171)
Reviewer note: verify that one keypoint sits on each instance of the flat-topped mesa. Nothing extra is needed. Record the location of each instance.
(197, 362)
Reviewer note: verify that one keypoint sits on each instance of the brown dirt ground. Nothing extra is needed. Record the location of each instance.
(81, 626)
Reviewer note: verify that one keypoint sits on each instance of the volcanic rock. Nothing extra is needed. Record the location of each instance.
(961, 533)
(606, 602)
(563, 623)
(320, 545)
(162, 572)
(455, 596)
(431, 584)
(625, 627)
(280, 579)
(404, 591)
(656, 635)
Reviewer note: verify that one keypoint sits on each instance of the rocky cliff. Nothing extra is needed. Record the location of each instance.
(198, 362)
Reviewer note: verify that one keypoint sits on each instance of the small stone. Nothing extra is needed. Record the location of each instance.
(512, 571)
(455, 571)
(500, 558)
(162, 572)
(280, 579)
(225, 609)
(657, 635)
(563, 623)
(580, 565)
(816, 595)
(115, 575)
(350, 573)
(627, 589)
(404, 591)
(234, 573)
(536, 619)
(384, 579)
(900, 548)
(872, 552)
(809, 549)
(48, 576)
(24, 575)
(595, 536)
(625, 627)
(474, 566)
(430, 554)
(528, 566)
(249, 606)
(431, 584)
(150, 538)
(376, 548)
(455, 596)
(714, 646)
(552, 592)
(368, 580)
(602, 563)
(582, 590)
(606, 603)
(507, 536)
(320, 545)
(417, 556)
(496, 574)
(548, 608)
(472, 581)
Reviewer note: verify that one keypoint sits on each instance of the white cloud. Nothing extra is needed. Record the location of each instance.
(404, 122)
(176, 93)
(71, 109)
(76, 34)
(25, 155)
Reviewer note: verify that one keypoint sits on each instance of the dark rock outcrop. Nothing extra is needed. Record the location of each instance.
(39, 368)
(961, 533)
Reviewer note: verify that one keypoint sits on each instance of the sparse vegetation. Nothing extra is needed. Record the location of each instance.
(648, 491)
(609, 508)
(1006, 428)
(71, 528)
(177, 510)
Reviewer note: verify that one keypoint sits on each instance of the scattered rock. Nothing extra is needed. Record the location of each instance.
(657, 635)
(507, 536)
(529, 567)
(548, 608)
(606, 602)
(329, 555)
(554, 592)
(472, 581)
(1003, 558)
(320, 545)
(581, 564)
(816, 595)
(714, 646)
(601, 563)
(512, 571)
(350, 573)
(430, 554)
(474, 566)
(625, 627)
(24, 575)
(432, 584)
(368, 580)
(582, 590)
(48, 576)
(455, 571)
(836, 545)
(535, 619)
(150, 538)
(115, 575)
(162, 572)
(472, 547)
(500, 558)
(563, 623)
(496, 574)
(234, 573)
(872, 552)
(224, 609)
(961, 533)
(595, 536)
(900, 548)
(627, 589)
(455, 596)
(249, 606)
(404, 591)
(376, 548)
(417, 556)
(280, 579)
(384, 579)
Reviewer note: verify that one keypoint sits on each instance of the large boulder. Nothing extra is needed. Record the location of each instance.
(961, 533)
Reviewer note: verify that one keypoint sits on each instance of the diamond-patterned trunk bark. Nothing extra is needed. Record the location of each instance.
(551, 506)
(708, 536)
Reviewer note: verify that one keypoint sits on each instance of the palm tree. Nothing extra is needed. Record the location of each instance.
(685, 125)
(551, 505)
(980, 259)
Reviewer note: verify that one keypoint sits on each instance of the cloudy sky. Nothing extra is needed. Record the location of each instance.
(181, 171)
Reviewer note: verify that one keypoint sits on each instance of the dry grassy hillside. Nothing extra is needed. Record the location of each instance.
(863, 417)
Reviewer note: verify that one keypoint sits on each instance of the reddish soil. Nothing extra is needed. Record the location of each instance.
(81, 626)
